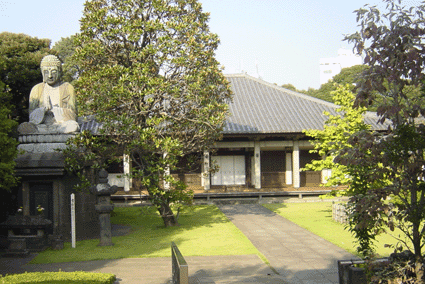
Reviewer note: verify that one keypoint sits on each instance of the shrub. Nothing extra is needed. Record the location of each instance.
(78, 277)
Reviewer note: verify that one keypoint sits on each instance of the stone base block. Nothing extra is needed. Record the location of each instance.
(41, 147)
(44, 138)
(18, 244)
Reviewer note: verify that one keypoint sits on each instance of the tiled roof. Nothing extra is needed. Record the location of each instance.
(261, 107)
(89, 123)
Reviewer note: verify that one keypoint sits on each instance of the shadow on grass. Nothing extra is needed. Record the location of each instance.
(203, 230)
(329, 211)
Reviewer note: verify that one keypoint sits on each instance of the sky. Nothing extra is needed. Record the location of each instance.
(280, 41)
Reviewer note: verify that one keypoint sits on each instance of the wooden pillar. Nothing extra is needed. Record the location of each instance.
(288, 173)
(127, 168)
(257, 165)
(205, 179)
(296, 164)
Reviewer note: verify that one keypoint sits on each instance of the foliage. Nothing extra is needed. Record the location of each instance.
(290, 87)
(8, 144)
(348, 76)
(336, 131)
(394, 50)
(149, 74)
(85, 155)
(331, 195)
(60, 277)
(399, 269)
(20, 57)
(65, 48)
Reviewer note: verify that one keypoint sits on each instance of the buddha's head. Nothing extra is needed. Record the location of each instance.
(51, 68)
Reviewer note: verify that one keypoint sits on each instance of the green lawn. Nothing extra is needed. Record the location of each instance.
(203, 230)
(317, 218)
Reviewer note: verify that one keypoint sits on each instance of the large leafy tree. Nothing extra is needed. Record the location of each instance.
(392, 43)
(8, 145)
(20, 57)
(65, 48)
(149, 74)
(349, 75)
(335, 134)
(8, 150)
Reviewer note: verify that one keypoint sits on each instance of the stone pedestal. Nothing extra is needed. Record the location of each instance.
(26, 233)
(105, 224)
(56, 242)
(17, 246)
(43, 143)
(103, 191)
(45, 182)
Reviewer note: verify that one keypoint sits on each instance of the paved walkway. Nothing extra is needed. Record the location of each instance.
(297, 255)
(202, 269)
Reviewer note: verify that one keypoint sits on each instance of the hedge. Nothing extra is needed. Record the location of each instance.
(78, 277)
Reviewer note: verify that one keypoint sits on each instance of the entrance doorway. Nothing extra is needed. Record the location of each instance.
(231, 170)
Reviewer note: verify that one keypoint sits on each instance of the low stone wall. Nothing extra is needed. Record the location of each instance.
(339, 213)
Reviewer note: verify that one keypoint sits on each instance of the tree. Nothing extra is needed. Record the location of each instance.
(335, 134)
(290, 87)
(149, 74)
(394, 51)
(8, 148)
(8, 145)
(65, 48)
(349, 75)
(20, 57)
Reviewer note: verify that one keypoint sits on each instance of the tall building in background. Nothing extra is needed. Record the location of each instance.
(329, 67)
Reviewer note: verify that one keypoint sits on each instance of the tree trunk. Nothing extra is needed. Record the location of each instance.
(419, 267)
(167, 215)
(419, 270)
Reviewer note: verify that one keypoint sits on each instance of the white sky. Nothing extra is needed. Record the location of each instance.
(283, 38)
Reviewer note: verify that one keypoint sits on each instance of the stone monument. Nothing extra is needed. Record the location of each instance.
(103, 191)
(44, 180)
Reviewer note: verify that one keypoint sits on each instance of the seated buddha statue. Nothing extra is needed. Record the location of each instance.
(52, 105)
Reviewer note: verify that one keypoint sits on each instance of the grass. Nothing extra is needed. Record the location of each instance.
(203, 231)
(317, 218)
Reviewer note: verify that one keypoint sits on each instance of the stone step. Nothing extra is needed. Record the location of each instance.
(233, 201)
(225, 279)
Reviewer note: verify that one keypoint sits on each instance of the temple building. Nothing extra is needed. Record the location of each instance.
(263, 146)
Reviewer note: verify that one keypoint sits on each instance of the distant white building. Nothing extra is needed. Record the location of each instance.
(329, 67)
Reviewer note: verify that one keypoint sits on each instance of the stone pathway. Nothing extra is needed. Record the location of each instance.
(202, 269)
(297, 255)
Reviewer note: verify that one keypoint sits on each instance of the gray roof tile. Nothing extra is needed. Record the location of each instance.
(261, 107)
